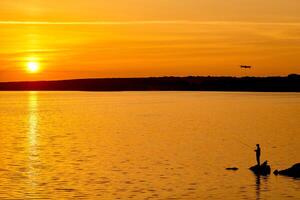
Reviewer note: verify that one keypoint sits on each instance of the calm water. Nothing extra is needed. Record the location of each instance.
(146, 145)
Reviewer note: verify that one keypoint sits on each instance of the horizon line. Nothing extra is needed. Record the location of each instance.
(143, 22)
(147, 77)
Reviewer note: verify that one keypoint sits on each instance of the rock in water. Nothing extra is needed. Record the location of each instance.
(294, 171)
(264, 169)
(232, 168)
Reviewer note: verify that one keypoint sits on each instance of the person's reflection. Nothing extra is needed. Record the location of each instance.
(260, 181)
(257, 187)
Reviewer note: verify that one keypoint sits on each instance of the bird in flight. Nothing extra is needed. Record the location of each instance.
(246, 66)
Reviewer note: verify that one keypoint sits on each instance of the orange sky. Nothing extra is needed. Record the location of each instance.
(117, 38)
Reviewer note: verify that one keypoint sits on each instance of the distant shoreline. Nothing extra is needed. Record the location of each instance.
(289, 83)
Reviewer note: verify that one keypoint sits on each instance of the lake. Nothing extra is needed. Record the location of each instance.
(146, 145)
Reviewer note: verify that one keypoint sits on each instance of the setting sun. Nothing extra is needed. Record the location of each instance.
(33, 67)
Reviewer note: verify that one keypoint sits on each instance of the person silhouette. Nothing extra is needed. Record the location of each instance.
(257, 150)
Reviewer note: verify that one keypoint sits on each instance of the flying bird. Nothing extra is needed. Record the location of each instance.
(246, 66)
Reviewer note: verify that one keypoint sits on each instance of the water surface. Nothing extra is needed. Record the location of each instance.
(146, 145)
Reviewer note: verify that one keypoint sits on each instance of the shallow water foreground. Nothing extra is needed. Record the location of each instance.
(146, 145)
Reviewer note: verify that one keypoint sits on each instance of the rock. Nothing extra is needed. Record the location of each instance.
(232, 168)
(294, 171)
(264, 169)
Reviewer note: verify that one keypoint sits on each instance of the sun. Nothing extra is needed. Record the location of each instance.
(33, 67)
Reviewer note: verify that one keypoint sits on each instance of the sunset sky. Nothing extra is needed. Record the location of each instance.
(46, 39)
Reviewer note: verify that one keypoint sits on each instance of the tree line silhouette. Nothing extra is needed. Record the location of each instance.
(289, 83)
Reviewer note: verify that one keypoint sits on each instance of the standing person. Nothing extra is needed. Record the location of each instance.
(257, 150)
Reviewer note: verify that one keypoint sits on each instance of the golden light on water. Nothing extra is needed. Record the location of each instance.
(32, 136)
(33, 122)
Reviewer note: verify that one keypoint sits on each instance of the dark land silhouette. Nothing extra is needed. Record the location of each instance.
(289, 83)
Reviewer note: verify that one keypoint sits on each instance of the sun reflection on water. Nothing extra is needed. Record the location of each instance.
(33, 119)
(32, 136)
